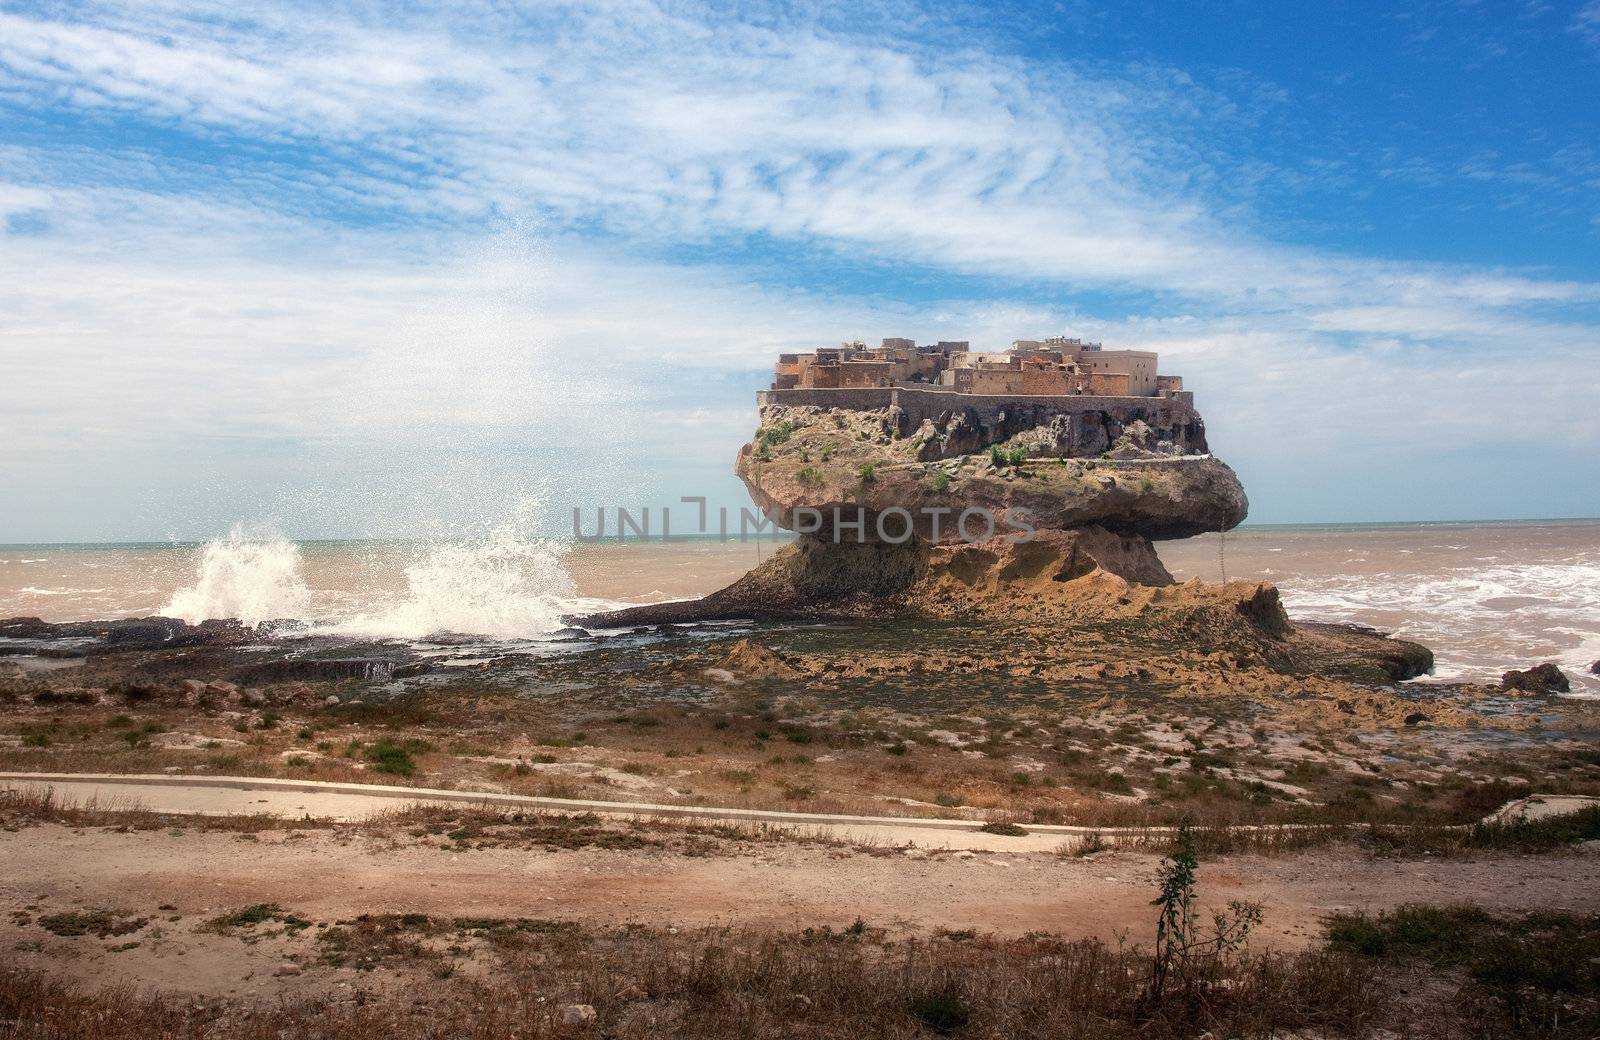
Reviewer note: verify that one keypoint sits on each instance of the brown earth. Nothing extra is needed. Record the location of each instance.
(325, 877)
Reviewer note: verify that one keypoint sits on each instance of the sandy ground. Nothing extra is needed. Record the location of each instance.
(321, 876)
(291, 799)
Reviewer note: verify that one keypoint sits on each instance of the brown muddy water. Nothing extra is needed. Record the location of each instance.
(1484, 596)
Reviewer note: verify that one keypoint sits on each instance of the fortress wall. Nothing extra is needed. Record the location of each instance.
(865, 397)
(917, 404)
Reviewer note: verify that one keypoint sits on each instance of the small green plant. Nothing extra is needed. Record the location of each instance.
(390, 756)
(772, 436)
(869, 473)
(949, 801)
(1182, 948)
(35, 740)
(1009, 830)
(1002, 458)
(1092, 843)
(942, 1012)
(260, 913)
(1147, 484)
(941, 481)
(809, 475)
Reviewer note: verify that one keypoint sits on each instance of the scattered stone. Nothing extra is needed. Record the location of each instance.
(253, 697)
(219, 688)
(751, 659)
(331, 700)
(1594, 669)
(192, 742)
(1542, 678)
(578, 1015)
(288, 968)
(192, 690)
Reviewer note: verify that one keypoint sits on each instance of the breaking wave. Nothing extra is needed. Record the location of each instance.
(501, 585)
(1479, 620)
(252, 576)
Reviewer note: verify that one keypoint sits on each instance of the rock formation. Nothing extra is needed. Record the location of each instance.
(1541, 678)
(962, 513)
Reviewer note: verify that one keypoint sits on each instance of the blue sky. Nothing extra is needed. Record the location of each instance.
(375, 269)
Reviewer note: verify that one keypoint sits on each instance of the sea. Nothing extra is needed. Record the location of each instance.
(1484, 596)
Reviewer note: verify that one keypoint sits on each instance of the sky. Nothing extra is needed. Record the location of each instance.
(373, 270)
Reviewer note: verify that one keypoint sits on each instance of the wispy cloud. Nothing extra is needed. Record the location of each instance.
(295, 223)
(1586, 22)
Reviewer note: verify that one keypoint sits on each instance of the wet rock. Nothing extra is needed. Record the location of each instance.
(371, 668)
(1541, 678)
(1594, 669)
(151, 633)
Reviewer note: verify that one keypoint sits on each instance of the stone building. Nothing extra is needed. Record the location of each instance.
(854, 365)
(1058, 366)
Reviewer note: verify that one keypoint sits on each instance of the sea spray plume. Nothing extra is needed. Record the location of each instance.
(253, 576)
(503, 583)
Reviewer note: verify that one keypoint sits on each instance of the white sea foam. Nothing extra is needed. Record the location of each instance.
(502, 585)
(252, 576)
(1479, 620)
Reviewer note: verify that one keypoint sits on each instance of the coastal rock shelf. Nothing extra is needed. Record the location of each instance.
(1003, 493)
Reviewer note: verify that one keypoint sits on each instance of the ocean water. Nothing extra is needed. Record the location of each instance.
(1485, 596)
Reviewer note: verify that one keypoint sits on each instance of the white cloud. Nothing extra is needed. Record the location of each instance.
(1586, 22)
(308, 266)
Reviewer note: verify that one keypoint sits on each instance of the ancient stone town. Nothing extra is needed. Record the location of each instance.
(1057, 366)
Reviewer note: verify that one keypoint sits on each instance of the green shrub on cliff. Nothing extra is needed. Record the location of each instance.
(941, 481)
(809, 475)
(1000, 457)
(772, 436)
(869, 473)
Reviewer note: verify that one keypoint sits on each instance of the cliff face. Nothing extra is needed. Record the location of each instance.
(1050, 511)
(813, 470)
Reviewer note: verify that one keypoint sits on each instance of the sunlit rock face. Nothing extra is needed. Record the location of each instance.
(990, 513)
(840, 474)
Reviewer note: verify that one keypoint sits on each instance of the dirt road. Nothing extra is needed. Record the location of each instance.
(327, 876)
